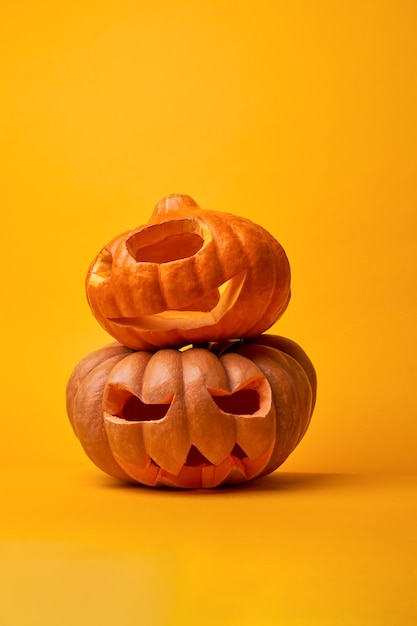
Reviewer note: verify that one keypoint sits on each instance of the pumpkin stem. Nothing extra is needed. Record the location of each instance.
(176, 204)
(221, 347)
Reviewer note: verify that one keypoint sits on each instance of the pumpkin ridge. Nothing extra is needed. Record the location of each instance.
(162, 291)
(183, 318)
(253, 432)
(266, 358)
(84, 367)
(271, 295)
(229, 226)
(293, 364)
(179, 444)
(89, 428)
(242, 234)
(164, 285)
(291, 349)
(212, 433)
(90, 375)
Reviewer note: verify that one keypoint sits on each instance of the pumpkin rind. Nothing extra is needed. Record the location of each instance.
(169, 417)
(84, 406)
(188, 276)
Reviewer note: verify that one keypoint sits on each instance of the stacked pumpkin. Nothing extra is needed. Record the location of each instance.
(191, 394)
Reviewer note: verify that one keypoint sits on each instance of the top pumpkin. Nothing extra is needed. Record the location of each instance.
(188, 276)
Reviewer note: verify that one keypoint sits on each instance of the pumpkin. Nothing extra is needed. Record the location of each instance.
(188, 276)
(196, 417)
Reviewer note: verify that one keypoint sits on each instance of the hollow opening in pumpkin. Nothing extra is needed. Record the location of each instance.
(102, 267)
(195, 458)
(241, 402)
(238, 452)
(169, 241)
(126, 406)
(194, 315)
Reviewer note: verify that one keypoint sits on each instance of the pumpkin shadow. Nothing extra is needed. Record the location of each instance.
(294, 481)
(275, 482)
(278, 482)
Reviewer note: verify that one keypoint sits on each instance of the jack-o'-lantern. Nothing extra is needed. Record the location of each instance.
(193, 417)
(188, 276)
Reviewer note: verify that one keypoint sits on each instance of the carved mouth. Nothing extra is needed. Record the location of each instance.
(195, 458)
(188, 317)
(198, 472)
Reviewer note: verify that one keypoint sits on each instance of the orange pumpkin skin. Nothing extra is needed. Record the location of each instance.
(196, 418)
(188, 276)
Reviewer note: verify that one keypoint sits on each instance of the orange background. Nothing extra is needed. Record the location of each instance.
(300, 116)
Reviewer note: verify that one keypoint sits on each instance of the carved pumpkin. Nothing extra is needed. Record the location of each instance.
(188, 276)
(195, 417)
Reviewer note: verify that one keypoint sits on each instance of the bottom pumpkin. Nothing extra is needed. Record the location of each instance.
(192, 418)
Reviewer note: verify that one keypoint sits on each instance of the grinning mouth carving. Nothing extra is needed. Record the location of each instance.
(189, 317)
(198, 472)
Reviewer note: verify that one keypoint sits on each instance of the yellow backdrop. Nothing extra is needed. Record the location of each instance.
(298, 115)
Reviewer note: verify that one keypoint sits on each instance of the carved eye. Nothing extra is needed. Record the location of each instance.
(242, 402)
(125, 405)
(246, 400)
(162, 243)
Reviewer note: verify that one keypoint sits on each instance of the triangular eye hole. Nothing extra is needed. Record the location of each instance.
(244, 401)
(127, 406)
